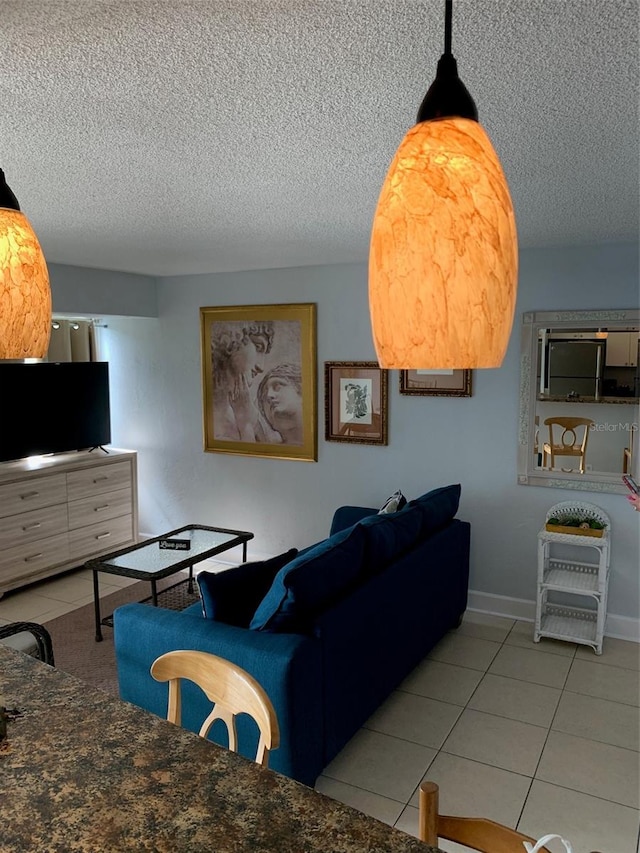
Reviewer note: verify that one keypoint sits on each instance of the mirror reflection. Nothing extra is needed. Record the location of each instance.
(579, 397)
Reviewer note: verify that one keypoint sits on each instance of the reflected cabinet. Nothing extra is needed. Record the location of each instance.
(579, 395)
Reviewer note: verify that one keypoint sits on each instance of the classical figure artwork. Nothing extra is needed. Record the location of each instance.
(259, 380)
(355, 402)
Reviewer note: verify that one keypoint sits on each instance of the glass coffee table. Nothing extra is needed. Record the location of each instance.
(162, 556)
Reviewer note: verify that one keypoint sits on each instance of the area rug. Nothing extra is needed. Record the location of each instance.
(73, 635)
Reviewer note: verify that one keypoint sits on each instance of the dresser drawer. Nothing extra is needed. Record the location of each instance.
(24, 560)
(100, 537)
(95, 481)
(99, 508)
(30, 526)
(32, 493)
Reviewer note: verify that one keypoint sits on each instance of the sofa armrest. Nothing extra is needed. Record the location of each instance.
(286, 665)
(347, 516)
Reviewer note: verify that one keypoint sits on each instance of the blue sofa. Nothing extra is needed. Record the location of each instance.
(339, 626)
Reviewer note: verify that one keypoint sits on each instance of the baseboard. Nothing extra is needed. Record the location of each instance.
(620, 627)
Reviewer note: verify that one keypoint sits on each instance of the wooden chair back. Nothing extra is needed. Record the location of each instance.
(567, 441)
(478, 833)
(232, 690)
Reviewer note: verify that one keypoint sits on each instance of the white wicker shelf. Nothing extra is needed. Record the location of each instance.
(573, 577)
(570, 623)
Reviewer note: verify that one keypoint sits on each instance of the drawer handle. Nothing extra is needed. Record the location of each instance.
(102, 535)
(32, 526)
(98, 508)
(98, 479)
(32, 557)
(28, 495)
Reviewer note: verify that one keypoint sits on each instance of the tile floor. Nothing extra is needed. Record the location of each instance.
(543, 737)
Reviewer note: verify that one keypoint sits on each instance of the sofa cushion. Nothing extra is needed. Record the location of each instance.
(389, 535)
(347, 516)
(394, 503)
(311, 582)
(233, 595)
(438, 507)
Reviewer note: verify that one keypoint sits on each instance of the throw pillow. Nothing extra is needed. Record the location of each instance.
(389, 535)
(233, 595)
(311, 583)
(438, 507)
(393, 503)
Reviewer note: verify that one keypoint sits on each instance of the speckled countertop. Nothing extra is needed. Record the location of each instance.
(83, 771)
(617, 401)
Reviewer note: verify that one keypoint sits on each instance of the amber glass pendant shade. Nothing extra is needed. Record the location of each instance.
(443, 260)
(25, 295)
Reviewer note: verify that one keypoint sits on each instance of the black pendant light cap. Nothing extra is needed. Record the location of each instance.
(447, 96)
(7, 198)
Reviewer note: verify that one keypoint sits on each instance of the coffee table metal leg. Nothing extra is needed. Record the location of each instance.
(154, 593)
(96, 606)
(190, 586)
(244, 552)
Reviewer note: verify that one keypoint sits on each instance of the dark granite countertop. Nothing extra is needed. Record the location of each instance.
(83, 771)
(618, 401)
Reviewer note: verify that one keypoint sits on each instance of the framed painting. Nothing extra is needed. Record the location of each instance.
(436, 383)
(355, 395)
(259, 380)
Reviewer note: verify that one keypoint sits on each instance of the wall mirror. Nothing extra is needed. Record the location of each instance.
(579, 395)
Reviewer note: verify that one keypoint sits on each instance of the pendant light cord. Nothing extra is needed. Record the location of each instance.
(448, 15)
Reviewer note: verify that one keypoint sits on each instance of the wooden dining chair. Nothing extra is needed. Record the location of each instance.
(232, 690)
(567, 438)
(477, 833)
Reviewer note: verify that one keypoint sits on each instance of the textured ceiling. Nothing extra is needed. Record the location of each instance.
(188, 137)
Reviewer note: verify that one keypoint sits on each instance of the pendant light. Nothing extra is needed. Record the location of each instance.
(443, 259)
(25, 295)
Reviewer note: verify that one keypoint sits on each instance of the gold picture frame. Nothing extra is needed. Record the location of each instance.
(355, 395)
(259, 380)
(436, 383)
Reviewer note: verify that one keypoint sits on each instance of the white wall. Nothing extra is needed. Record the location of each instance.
(157, 409)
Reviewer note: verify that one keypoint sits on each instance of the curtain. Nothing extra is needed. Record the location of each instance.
(72, 340)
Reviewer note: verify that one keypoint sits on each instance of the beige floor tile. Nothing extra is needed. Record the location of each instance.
(589, 823)
(443, 681)
(465, 651)
(408, 822)
(382, 764)
(470, 788)
(598, 719)
(5, 622)
(382, 808)
(526, 665)
(522, 635)
(68, 589)
(602, 680)
(58, 608)
(508, 744)
(415, 718)
(24, 607)
(485, 626)
(614, 652)
(517, 700)
(591, 767)
(115, 580)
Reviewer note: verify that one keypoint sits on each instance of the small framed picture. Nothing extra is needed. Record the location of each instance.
(436, 383)
(355, 401)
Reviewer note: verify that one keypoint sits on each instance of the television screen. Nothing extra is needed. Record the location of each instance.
(49, 408)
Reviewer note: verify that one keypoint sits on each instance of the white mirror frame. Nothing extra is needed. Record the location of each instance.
(532, 322)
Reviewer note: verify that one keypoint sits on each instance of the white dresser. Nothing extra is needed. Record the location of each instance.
(58, 511)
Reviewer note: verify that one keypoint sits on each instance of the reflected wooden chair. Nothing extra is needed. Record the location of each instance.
(477, 833)
(567, 437)
(232, 690)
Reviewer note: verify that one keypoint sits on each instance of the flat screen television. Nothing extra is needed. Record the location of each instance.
(50, 408)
